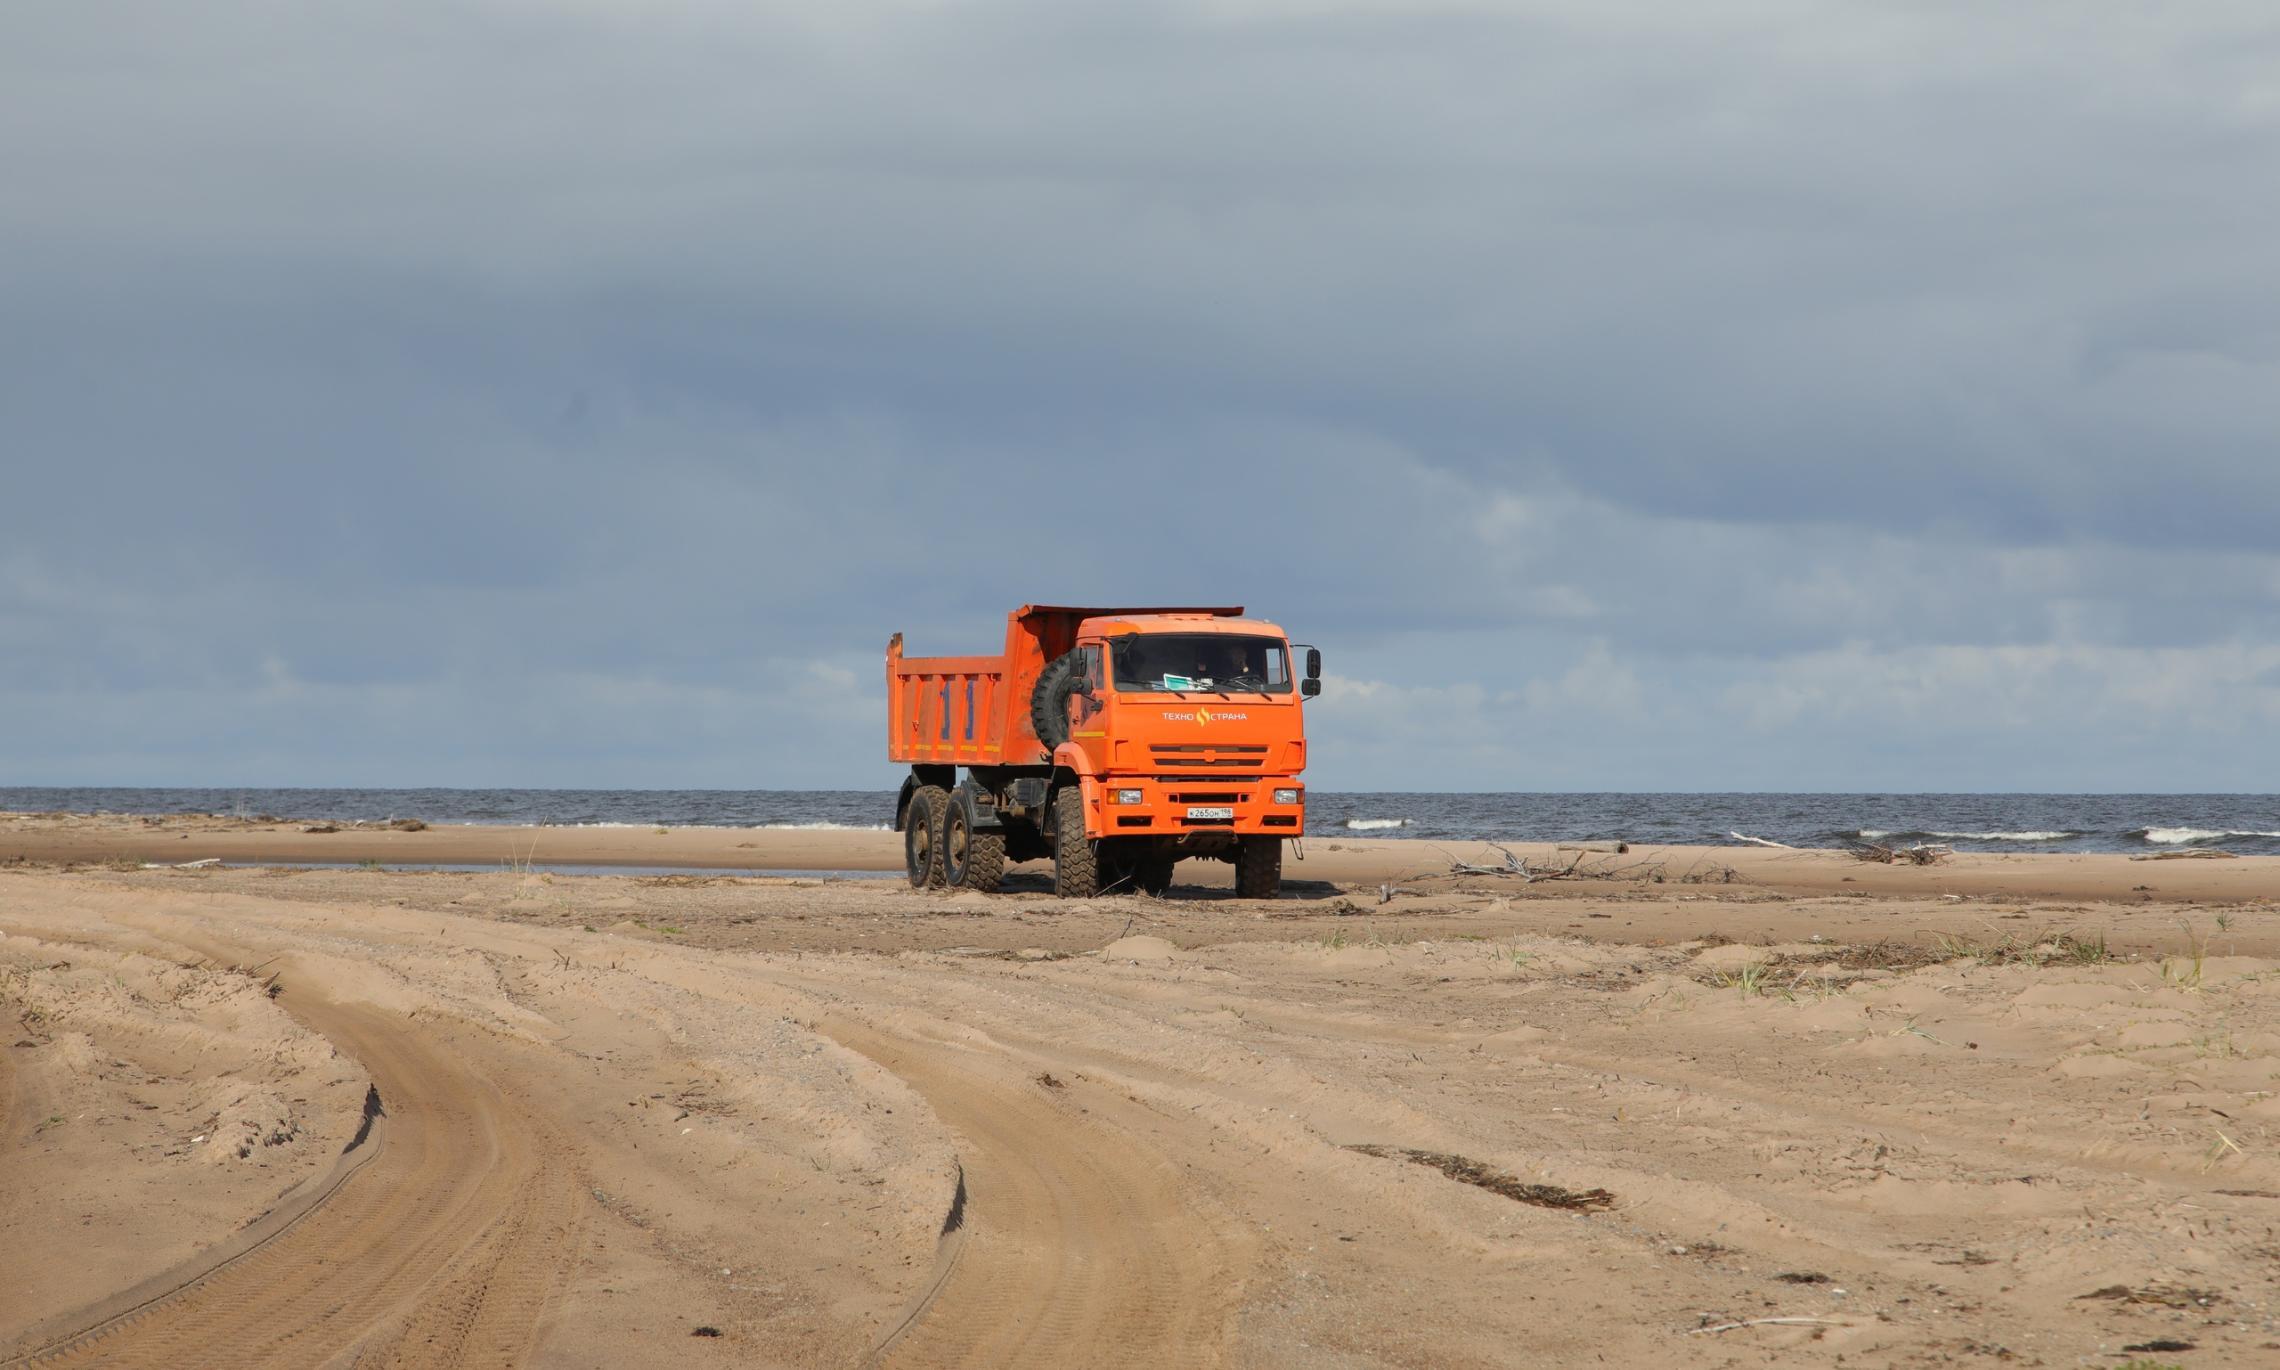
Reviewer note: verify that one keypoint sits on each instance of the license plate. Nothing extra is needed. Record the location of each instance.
(1194, 812)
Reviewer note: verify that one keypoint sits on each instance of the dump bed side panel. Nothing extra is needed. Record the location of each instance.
(945, 710)
(974, 710)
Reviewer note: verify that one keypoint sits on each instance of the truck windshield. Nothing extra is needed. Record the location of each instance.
(1221, 662)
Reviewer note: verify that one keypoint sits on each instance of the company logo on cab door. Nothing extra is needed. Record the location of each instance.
(1203, 716)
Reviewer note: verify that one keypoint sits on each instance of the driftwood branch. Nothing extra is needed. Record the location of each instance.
(1513, 865)
(1922, 854)
(1586, 863)
(1760, 842)
(1767, 1322)
(1576, 867)
(1704, 871)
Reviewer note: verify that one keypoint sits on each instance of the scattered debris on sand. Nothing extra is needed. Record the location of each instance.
(1495, 1181)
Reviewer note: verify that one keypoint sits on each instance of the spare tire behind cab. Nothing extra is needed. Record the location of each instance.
(1049, 702)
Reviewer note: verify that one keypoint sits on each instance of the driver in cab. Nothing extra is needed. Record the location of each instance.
(1226, 666)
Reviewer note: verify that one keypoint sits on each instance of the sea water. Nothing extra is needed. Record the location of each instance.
(2247, 823)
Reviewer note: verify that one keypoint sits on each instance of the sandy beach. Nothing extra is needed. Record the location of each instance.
(113, 839)
(619, 623)
(1719, 1106)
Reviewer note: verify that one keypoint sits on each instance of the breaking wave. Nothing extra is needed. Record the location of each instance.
(1875, 834)
(2178, 837)
(826, 827)
(660, 823)
(1373, 824)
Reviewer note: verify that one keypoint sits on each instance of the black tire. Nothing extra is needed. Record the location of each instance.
(922, 829)
(971, 858)
(1076, 866)
(1258, 868)
(1049, 702)
(1119, 868)
(1154, 874)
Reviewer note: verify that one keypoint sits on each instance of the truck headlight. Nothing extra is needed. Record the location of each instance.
(1286, 796)
(1127, 796)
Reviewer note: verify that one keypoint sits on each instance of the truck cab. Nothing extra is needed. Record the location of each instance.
(1115, 742)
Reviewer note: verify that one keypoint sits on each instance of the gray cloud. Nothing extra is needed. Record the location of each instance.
(565, 384)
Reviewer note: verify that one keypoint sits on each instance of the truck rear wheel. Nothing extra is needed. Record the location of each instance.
(1258, 868)
(971, 859)
(922, 821)
(1076, 866)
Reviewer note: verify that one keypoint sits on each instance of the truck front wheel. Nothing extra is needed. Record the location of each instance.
(1154, 875)
(1076, 866)
(922, 819)
(1258, 868)
(971, 859)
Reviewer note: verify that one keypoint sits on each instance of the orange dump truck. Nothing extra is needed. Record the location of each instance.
(1115, 742)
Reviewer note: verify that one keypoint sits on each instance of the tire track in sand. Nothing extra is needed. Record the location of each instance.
(1077, 1243)
(443, 1249)
(9, 1093)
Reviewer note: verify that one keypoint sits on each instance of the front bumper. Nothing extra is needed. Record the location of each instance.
(1167, 805)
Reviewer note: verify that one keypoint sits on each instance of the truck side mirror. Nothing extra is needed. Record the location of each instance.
(1312, 684)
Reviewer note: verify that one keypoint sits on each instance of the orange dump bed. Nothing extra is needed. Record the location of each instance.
(974, 710)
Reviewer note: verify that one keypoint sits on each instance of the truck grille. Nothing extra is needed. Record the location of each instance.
(1207, 755)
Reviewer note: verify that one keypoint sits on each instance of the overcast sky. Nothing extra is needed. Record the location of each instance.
(1744, 394)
